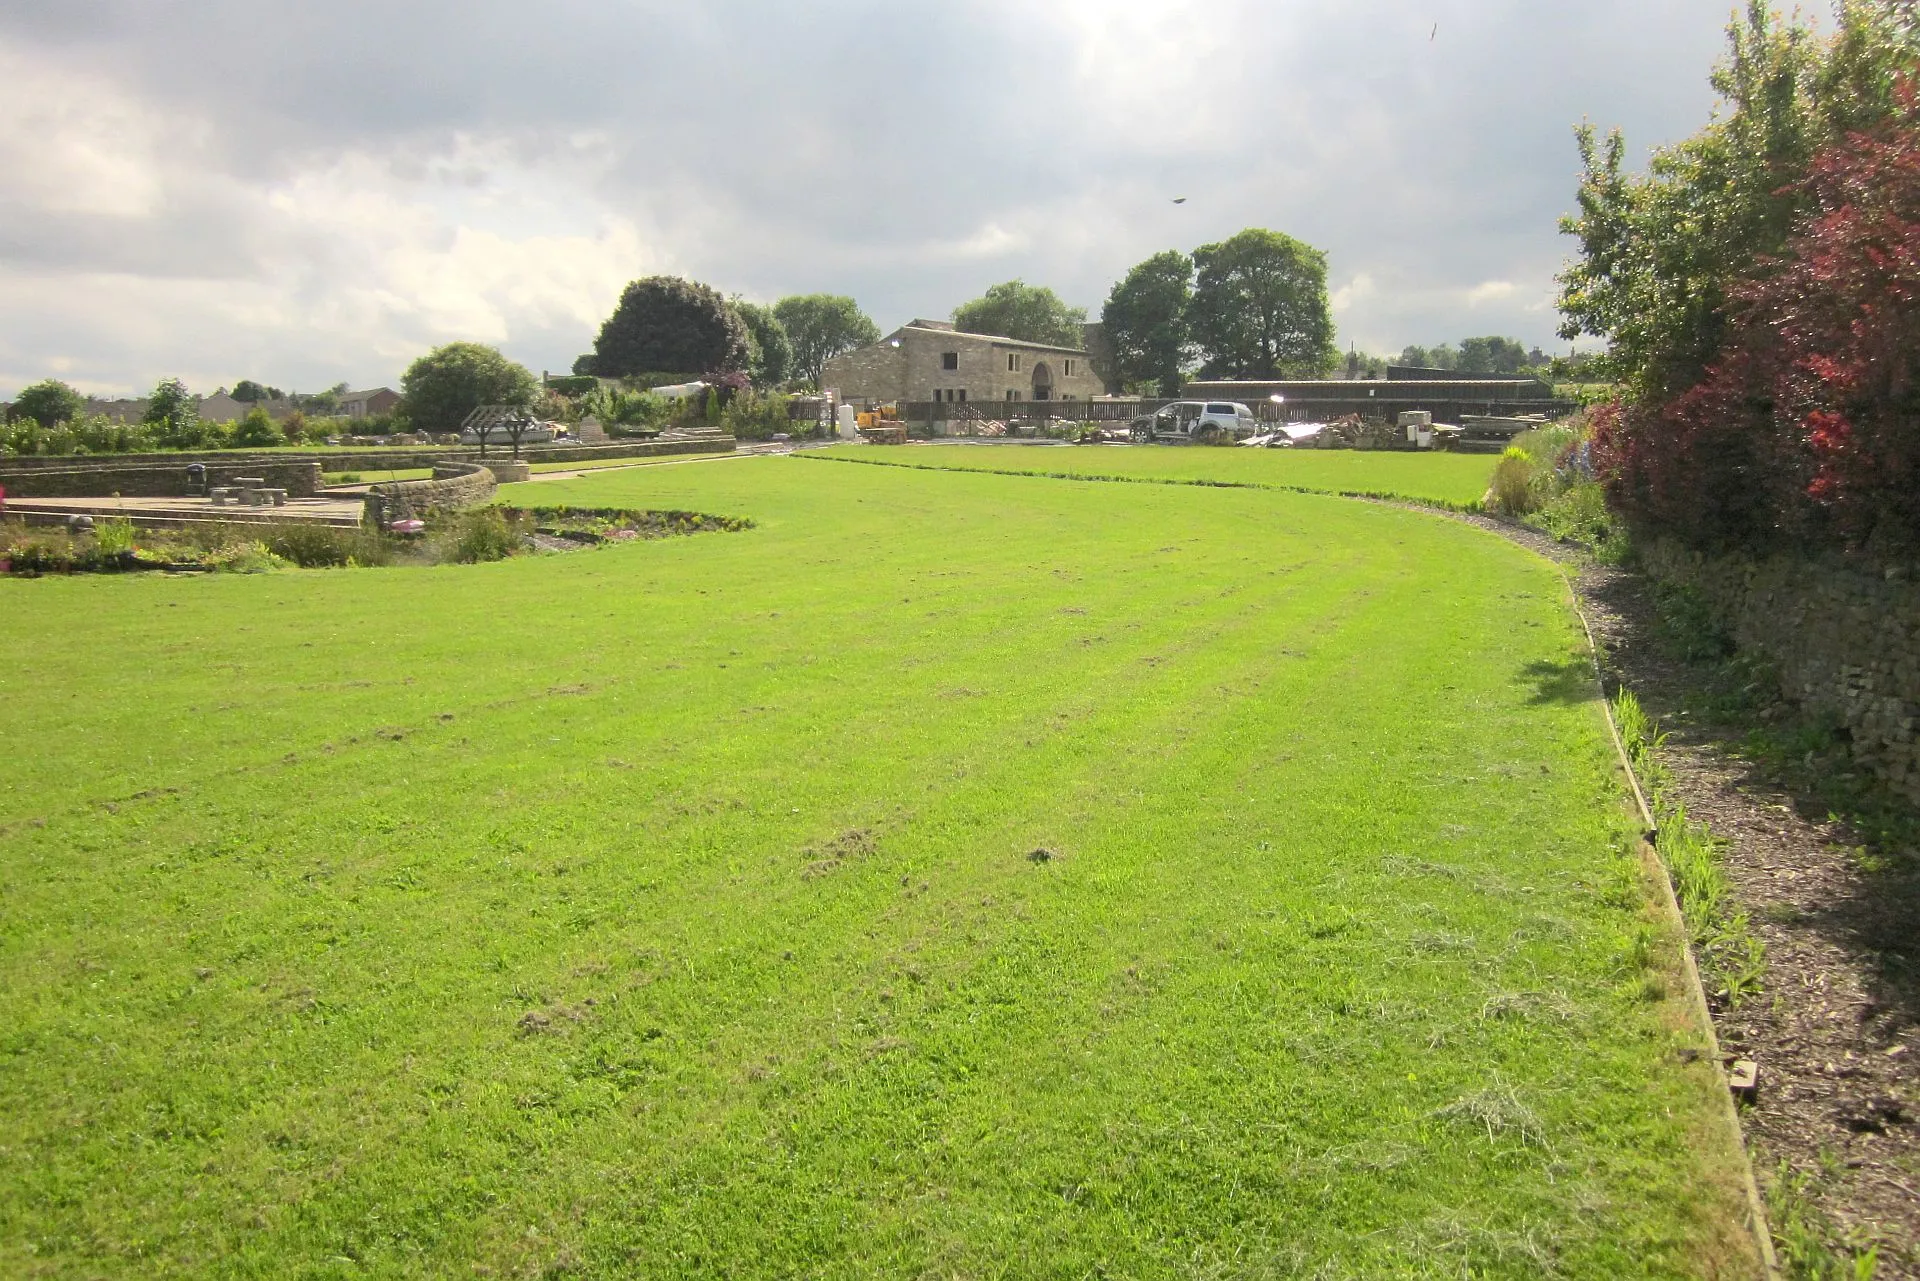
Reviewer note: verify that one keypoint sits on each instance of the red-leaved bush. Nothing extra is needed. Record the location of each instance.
(1807, 428)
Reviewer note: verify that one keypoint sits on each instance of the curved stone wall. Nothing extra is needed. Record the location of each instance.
(454, 486)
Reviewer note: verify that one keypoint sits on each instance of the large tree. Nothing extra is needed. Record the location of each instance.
(48, 403)
(441, 388)
(665, 325)
(770, 351)
(1260, 308)
(174, 415)
(1146, 322)
(820, 327)
(1659, 253)
(1031, 313)
(249, 392)
(1492, 355)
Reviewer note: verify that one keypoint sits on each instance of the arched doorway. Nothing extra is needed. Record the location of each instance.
(1042, 381)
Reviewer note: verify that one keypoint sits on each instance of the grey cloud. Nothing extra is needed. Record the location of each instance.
(860, 146)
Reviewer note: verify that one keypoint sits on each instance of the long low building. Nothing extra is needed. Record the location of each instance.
(1446, 399)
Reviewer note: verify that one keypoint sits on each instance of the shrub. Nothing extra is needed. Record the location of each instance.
(256, 431)
(756, 416)
(475, 537)
(113, 537)
(326, 546)
(1512, 487)
(574, 384)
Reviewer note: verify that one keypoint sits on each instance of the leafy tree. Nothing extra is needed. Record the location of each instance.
(252, 392)
(1659, 254)
(174, 416)
(256, 431)
(1031, 313)
(441, 388)
(770, 351)
(48, 403)
(1146, 322)
(667, 325)
(1807, 426)
(1492, 355)
(1260, 307)
(820, 327)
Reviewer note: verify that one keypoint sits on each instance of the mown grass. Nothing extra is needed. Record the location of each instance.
(952, 875)
(1457, 480)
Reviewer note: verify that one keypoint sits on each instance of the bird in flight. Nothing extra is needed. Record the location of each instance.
(1179, 200)
(1435, 35)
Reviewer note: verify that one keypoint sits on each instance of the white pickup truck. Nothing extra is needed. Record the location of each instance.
(1185, 421)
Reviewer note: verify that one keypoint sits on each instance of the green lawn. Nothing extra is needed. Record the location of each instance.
(377, 475)
(673, 909)
(1457, 479)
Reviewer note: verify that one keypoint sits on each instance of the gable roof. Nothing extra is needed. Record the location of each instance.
(997, 340)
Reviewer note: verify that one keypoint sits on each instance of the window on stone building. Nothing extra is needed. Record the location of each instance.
(963, 395)
(950, 360)
(1066, 368)
(1012, 394)
(1013, 363)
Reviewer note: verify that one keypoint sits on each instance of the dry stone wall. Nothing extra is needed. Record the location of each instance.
(454, 486)
(1843, 632)
(99, 479)
(351, 460)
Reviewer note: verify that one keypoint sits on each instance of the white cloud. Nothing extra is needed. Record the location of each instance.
(1491, 291)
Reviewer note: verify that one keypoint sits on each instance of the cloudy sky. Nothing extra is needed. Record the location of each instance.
(312, 191)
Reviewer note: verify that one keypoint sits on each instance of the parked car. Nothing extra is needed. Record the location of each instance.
(1189, 420)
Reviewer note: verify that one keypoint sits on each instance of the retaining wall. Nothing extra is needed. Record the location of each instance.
(1843, 632)
(100, 477)
(367, 460)
(454, 486)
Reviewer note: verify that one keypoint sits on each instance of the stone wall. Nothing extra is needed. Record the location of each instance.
(100, 477)
(454, 486)
(1844, 634)
(357, 460)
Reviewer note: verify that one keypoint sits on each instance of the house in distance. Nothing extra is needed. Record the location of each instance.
(930, 362)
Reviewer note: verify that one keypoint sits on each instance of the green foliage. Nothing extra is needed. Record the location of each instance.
(1659, 253)
(173, 417)
(256, 431)
(1805, 1237)
(248, 390)
(642, 411)
(96, 435)
(770, 351)
(754, 415)
(1731, 960)
(48, 403)
(114, 537)
(475, 537)
(442, 387)
(1030, 313)
(312, 546)
(664, 322)
(1260, 308)
(576, 385)
(820, 327)
(1145, 320)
